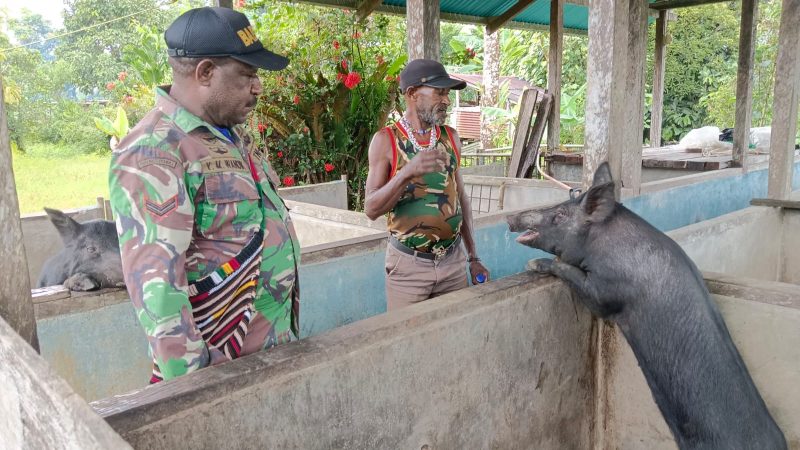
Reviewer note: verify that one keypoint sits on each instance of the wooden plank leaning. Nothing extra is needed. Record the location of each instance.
(527, 106)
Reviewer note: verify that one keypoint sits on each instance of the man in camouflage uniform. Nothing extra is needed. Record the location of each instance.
(414, 177)
(196, 206)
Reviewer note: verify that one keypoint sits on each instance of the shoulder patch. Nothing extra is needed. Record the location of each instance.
(159, 211)
(166, 162)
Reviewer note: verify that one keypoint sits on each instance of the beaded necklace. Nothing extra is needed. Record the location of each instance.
(413, 140)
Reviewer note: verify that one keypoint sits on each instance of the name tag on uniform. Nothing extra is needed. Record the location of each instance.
(226, 164)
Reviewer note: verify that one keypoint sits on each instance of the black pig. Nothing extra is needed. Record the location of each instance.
(90, 258)
(625, 270)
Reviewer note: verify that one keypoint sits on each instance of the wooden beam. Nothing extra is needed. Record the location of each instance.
(535, 139)
(496, 22)
(786, 98)
(422, 29)
(527, 105)
(554, 68)
(673, 4)
(786, 204)
(365, 9)
(744, 83)
(633, 129)
(659, 61)
(16, 305)
(605, 91)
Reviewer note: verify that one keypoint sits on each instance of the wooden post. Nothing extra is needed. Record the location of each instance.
(422, 29)
(659, 59)
(744, 83)
(784, 109)
(554, 66)
(491, 83)
(16, 305)
(634, 91)
(615, 76)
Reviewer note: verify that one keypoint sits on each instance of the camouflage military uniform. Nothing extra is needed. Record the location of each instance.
(187, 200)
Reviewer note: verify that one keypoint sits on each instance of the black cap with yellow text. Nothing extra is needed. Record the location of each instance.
(218, 32)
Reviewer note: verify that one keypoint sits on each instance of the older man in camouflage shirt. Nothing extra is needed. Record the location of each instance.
(208, 249)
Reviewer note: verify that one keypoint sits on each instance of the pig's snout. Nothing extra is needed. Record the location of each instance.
(527, 224)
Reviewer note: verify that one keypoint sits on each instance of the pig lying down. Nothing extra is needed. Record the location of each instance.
(90, 257)
(625, 270)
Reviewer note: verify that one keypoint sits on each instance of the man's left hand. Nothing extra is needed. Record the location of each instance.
(476, 268)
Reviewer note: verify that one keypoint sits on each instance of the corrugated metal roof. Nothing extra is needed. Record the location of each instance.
(576, 17)
(536, 15)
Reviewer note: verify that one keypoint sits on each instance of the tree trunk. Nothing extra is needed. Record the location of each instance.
(491, 81)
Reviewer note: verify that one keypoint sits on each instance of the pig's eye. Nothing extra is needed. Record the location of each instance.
(91, 249)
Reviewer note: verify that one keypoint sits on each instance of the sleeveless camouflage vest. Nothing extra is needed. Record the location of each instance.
(428, 215)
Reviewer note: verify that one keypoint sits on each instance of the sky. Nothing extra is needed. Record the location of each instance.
(49, 9)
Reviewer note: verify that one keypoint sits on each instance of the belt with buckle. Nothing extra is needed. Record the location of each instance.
(437, 255)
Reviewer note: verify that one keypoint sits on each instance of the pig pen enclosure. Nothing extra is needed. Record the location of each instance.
(535, 370)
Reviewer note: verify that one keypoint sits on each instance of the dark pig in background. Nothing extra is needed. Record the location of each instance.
(90, 258)
(625, 270)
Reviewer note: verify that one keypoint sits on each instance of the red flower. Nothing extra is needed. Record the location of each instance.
(280, 154)
(356, 35)
(296, 100)
(390, 78)
(122, 76)
(344, 64)
(305, 130)
(111, 85)
(127, 99)
(288, 181)
(336, 45)
(241, 3)
(352, 79)
(262, 128)
(340, 76)
(329, 167)
(380, 59)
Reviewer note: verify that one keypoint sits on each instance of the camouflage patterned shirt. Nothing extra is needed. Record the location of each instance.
(186, 202)
(428, 215)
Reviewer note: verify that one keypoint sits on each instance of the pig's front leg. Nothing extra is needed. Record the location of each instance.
(81, 282)
(578, 280)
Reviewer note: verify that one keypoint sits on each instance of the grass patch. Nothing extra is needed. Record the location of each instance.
(54, 176)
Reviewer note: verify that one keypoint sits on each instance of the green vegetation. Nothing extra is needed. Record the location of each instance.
(48, 175)
(317, 116)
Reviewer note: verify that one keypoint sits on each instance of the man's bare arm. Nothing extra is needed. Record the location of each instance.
(466, 224)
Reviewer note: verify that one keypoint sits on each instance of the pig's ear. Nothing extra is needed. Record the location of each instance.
(602, 175)
(67, 227)
(598, 202)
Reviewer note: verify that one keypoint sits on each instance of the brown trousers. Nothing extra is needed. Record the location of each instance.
(410, 279)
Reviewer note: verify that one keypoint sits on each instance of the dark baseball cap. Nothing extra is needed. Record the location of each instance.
(217, 32)
(427, 72)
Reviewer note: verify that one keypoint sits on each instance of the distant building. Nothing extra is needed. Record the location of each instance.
(466, 114)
